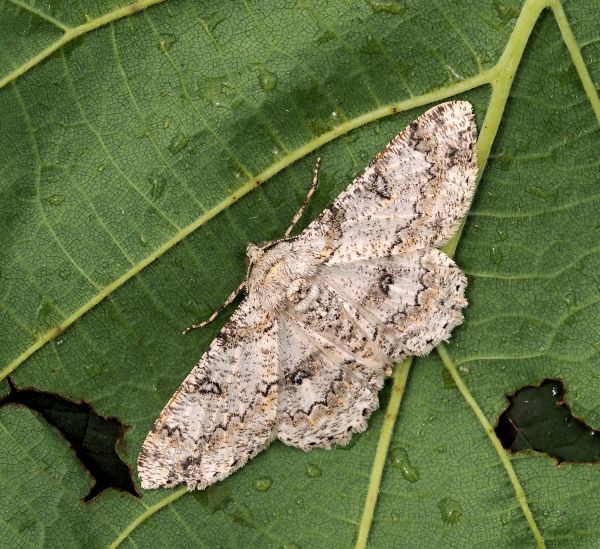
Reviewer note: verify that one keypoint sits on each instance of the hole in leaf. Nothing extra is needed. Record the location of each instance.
(538, 418)
(93, 437)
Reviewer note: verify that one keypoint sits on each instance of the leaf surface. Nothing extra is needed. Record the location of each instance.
(141, 155)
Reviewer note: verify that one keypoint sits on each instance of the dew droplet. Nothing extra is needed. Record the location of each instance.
(56, 199)
(158, 183)
(215, 90)
(505, 12)
(178, 142)
(399, 460)
(451, 510)
(44, 312)
(363, 156)
(372, 46)
(215, 19)
(266, 80)
(262, 484)
(243, 516)
(323, 37)
(312, 471)
(165, 41)
(454, 76)
(539, 191)
(395, 8)
(236, 170)
(497, 256)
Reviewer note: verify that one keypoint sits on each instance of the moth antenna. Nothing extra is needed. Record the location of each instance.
(311, 191)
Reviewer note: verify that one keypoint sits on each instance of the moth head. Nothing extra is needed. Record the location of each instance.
(254, 253)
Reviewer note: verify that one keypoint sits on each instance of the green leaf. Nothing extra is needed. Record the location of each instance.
(143, 146)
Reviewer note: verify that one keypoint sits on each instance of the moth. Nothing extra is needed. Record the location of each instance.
(328, 312)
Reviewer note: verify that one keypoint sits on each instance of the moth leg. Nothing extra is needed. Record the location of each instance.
(228, 301)
(311, 191)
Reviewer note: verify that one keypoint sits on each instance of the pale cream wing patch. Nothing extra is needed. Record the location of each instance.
(325, 395)
(412, 300)
(412, 195)
(224, 412)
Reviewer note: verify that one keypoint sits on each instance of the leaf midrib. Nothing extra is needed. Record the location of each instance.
(71, 33)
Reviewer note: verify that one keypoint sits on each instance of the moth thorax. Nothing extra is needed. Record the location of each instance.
(271, 271)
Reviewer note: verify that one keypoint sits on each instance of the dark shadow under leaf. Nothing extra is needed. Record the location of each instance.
(93, 437)
(538, 418)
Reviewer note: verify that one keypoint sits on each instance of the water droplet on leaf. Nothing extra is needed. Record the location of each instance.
(56, 199)
(505, 12)
(372, 46)
(215, 90)
(399, 460)
(451, 510)
(266, 80)
(395, 8)
(165, 41)
(243, 516)
(262, 484)
(178, 142)
(158, 183)
(540, 192)
(323, 37)
(45, 312)
(312, 471)
(214, 20)
(236, 170)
